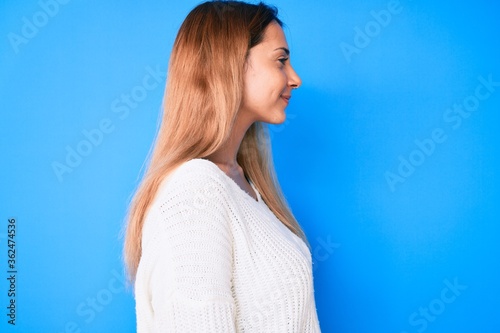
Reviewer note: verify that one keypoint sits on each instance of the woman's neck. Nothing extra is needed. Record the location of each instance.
(225, 156)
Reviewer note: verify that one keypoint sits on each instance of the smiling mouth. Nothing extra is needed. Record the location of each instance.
(286, 97)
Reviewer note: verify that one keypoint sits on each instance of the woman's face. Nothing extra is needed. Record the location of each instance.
(269, 78)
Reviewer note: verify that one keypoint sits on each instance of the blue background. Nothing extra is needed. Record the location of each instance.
(384, 250)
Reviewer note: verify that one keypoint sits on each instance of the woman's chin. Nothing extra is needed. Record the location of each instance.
(277, 118)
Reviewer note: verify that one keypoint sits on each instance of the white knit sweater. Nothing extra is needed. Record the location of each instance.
(216, 260)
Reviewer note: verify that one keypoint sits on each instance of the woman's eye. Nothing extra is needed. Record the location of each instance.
(283, 60)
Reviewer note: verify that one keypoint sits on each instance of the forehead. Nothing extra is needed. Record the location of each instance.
(274, 36)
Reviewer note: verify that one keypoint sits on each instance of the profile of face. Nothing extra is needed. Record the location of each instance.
(269, 78)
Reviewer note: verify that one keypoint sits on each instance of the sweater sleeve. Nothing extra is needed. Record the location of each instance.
(187, 244)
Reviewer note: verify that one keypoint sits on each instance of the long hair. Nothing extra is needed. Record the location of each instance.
(202, 97)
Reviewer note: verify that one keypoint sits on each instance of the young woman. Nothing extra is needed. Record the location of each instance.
(211, 244)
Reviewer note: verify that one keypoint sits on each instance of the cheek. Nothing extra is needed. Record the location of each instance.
(264, 86)
(279, 81)
(256, 87)
(270, 85)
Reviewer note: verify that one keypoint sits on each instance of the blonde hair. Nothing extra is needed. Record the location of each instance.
(202, 97)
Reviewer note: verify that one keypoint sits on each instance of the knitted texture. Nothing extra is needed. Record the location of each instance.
(216, 260)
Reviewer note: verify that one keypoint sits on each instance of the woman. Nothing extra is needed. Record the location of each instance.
(210, 242)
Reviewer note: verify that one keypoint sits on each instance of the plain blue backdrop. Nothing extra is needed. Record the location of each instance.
(387, 157)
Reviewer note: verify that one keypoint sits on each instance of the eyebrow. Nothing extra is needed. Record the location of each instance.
(287, 51)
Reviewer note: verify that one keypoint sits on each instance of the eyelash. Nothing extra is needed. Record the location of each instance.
(283, 60)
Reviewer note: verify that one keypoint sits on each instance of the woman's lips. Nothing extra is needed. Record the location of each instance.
(286, 98)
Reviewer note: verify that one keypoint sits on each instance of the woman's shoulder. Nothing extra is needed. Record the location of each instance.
(194, 188)
(195, 171)
(196, 167)
(194, 177)
(193, 197)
